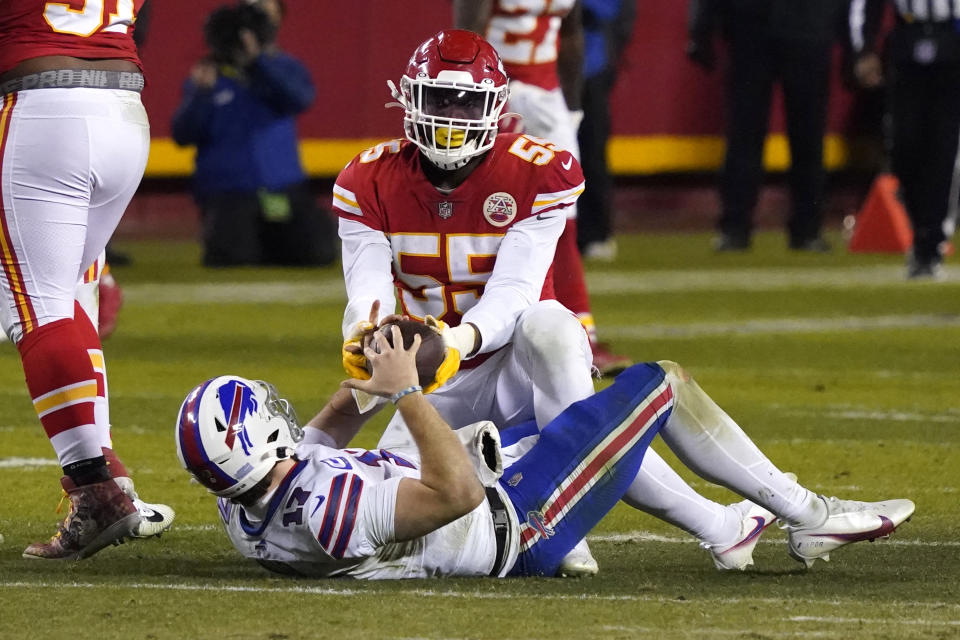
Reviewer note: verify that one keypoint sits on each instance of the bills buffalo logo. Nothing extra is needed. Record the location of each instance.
(445, 209)
(500, 209)
(238, 402)
(537, 520)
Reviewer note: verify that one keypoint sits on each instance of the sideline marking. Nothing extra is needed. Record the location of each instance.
(599, 283)
(16, 463)
(744, 327)
(431, 593)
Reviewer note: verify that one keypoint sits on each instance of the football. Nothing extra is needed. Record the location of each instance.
(431, 353)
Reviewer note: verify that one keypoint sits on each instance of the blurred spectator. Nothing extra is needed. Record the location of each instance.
(924, 105)
(238, 109)
(785, 41)
(607, 25)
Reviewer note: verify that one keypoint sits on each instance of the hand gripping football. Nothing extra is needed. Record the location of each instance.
(430, 356)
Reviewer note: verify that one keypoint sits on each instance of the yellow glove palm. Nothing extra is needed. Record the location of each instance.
(355, 364)
(454, 349)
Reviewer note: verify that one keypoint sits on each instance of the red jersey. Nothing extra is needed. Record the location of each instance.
(446, 250)
(97, 29)
(526, 35)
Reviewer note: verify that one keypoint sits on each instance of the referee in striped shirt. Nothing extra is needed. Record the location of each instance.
(923, 78)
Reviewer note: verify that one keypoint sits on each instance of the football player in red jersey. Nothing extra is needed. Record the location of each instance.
(463, 223)
(74, 140)
(541, 45)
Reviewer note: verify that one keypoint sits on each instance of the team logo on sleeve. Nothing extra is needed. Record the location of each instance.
(500, 209)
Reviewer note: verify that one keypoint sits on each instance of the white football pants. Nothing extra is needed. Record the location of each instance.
(72, 160)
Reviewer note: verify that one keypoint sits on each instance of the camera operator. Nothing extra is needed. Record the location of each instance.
(238, 108)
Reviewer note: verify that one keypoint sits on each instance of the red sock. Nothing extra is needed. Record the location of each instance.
(90, 340)
(568, 279)
(62, 384)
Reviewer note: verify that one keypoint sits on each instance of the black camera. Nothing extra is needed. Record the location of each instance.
(224, 25)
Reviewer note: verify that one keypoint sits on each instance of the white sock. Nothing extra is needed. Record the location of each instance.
(661, 492)
(714, 447)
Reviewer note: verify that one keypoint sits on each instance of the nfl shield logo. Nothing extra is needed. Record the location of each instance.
(445, 209)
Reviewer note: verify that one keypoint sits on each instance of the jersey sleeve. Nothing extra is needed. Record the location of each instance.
(367, 272)
(524, 257)
(365, 248)
(561, 184)
(357, 517)
(354, 193)
(554, 181)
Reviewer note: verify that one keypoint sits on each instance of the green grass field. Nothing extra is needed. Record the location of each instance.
(840, 370)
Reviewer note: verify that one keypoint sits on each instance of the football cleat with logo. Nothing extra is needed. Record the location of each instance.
(231, 431)
(100, 514)
(847, 521)
(738, 554)
(154, 518)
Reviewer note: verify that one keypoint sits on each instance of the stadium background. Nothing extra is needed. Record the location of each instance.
(667, 114)
(840, 370)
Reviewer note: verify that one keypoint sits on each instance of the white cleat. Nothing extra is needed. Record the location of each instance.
(739, 553)
(847, 521)
(154, 518)
(578, 563)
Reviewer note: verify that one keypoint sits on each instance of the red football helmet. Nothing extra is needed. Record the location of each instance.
(453, 92)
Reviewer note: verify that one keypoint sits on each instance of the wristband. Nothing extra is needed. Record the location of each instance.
(405, 392)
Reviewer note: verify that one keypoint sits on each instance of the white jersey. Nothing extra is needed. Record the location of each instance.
(333, 515)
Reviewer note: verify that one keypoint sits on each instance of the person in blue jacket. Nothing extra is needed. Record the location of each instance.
(239, 107)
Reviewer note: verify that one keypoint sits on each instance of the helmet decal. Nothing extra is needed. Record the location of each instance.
(238, 402)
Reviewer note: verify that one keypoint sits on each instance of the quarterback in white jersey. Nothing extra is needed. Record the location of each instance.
(455, 505)
(333, 515)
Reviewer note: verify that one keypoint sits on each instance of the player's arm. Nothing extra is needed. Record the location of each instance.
(337, 423)
(528, 248)
(517, 279)
(473, 15)
(570, 57)
(448, 487)
(365, 253)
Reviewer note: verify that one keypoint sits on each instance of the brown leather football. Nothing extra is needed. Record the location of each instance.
(432, 350)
